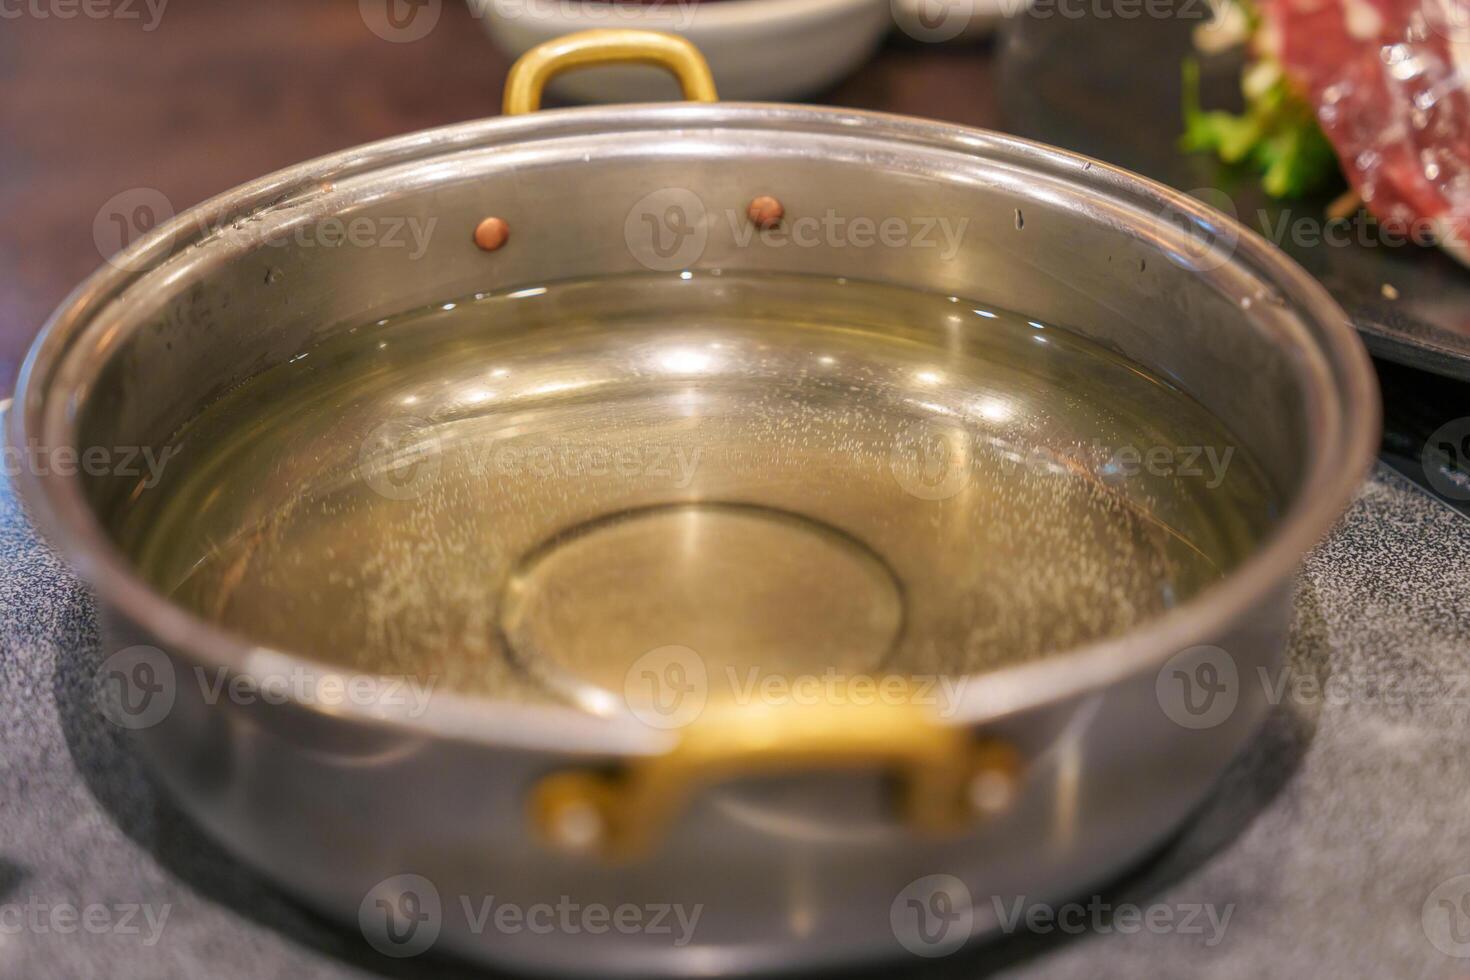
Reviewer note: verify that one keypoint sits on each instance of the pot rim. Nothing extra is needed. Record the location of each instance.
(1341, 451)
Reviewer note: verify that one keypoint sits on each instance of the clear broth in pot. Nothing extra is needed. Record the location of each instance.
(526, 494)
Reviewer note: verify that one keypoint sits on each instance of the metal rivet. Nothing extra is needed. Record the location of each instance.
(992, 790)
(578, 827)
(765, 212)
(492, 233)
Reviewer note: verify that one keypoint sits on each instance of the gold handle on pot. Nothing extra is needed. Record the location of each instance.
(946, 778)
(529, 75)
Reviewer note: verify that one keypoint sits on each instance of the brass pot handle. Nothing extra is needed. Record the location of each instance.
(946, 778)
(531, 72)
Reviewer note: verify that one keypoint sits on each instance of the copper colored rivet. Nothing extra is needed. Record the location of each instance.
(765, 212)
(492, 233)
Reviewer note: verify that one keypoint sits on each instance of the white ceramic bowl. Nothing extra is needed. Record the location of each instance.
(938, 21)
(758, 49)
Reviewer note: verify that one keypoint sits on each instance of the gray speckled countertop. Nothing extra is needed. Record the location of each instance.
(1336, 845)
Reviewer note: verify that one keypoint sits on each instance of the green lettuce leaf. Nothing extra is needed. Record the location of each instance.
(1276, 135)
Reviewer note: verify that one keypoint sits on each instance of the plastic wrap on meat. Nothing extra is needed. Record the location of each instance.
(1390, 82)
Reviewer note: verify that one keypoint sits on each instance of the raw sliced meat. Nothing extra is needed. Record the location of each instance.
(1388, 80)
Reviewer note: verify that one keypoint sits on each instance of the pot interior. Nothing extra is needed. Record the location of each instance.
(533, 474)
(537, 493)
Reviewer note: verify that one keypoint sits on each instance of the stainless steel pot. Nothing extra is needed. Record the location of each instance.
(1047, 776)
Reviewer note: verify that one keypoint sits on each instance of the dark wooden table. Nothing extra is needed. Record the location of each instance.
(220, 91)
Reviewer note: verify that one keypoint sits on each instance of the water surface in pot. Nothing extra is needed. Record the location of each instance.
(524, 493)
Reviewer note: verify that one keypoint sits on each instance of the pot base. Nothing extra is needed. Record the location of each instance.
(740, 593)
